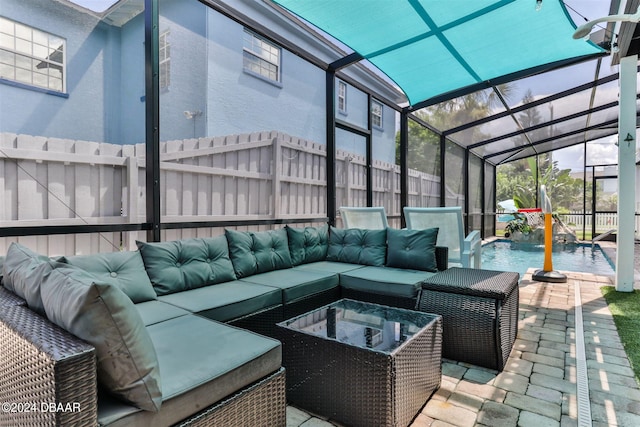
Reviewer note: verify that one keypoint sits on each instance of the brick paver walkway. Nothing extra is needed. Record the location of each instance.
(539, 385)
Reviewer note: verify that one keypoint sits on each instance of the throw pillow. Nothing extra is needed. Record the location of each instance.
(185, 264)
(258, 252)
(357, 246)
(122, 269)
(102, 315)
(308, 244)
(24, 271)
(412, 249)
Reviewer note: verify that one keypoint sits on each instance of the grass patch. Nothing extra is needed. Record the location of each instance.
(625, 308)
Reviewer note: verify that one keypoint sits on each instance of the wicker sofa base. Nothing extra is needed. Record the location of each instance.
(43, 365)
(262, 322)
(261, 404)
(390, 300)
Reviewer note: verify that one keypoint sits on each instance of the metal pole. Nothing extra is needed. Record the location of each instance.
(331, 146)
(152, 118)
(626, 174)
(404, 167)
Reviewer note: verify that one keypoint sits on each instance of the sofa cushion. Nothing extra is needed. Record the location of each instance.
(180, 265)
(385, 281)
(226, 301)
(413, 249)
(122, 269)
(102, 315)
(24, 271)
(201, 363)
(328, 266)
(152, 312)
(357, 246)
(308, 244)
(258, 252)
(296, 284)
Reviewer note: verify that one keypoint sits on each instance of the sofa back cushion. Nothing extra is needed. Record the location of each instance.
(122, 269)
(102, 315)
(413, 249)
(258, 252)
(180, 265)
(357, 246)
(308, 244)
(23, 273)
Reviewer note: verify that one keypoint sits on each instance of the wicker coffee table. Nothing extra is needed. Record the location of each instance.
(479, 311)
(362, 364)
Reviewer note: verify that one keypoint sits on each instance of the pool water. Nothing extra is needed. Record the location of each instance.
(504, 255)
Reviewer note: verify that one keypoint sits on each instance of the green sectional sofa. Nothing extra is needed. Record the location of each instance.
(182, 332)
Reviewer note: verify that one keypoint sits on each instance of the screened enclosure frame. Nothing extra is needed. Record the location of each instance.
(153, 224)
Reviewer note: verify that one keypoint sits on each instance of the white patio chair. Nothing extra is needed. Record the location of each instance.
(374, 218)
(463, 250)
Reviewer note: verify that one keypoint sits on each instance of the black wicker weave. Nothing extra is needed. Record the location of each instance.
(480, 313)
(302, 305)
(262, 322)
(390, 300)
(361, 386)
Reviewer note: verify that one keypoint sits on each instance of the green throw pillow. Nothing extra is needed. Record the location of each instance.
(185, 264)
(357, 246)
(102, 315)
(122, 269)
(308, 244)
(258, 252)
(23, 274)
(412, 249)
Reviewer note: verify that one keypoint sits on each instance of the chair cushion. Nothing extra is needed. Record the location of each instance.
(258, 252)
(122, 269)
(102, 315)
(226, 301)
(296, 284)
(385, 281)
(328, 266)
(180, 265)
(413, 249)
(24, 271)
(308, 244)
(357, 246)
(152, 312)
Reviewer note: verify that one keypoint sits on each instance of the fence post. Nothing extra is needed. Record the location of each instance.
(392, 191)
(131, 203)
(277, 174)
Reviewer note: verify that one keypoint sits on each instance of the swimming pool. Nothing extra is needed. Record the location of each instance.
(504, 255)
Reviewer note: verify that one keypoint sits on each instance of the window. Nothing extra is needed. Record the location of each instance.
(31, 56)
(376, 114)
(164, 49)
(342, 97)
(261, 57)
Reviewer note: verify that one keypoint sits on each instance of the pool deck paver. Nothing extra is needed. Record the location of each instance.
(538, 386)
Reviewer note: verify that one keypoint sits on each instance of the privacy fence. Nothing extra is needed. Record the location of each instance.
(263, 175)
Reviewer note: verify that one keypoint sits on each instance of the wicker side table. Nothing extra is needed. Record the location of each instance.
(479, 311)
(351, 375)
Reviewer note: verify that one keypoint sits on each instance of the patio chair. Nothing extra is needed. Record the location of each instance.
(374, 218)
(463, 250)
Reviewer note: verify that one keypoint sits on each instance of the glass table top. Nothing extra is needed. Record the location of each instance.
(361, 324)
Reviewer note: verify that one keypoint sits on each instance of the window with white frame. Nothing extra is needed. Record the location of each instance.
(164, 50)
(261, 57)
(376, 114)
(342, 97)
(31, 56)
